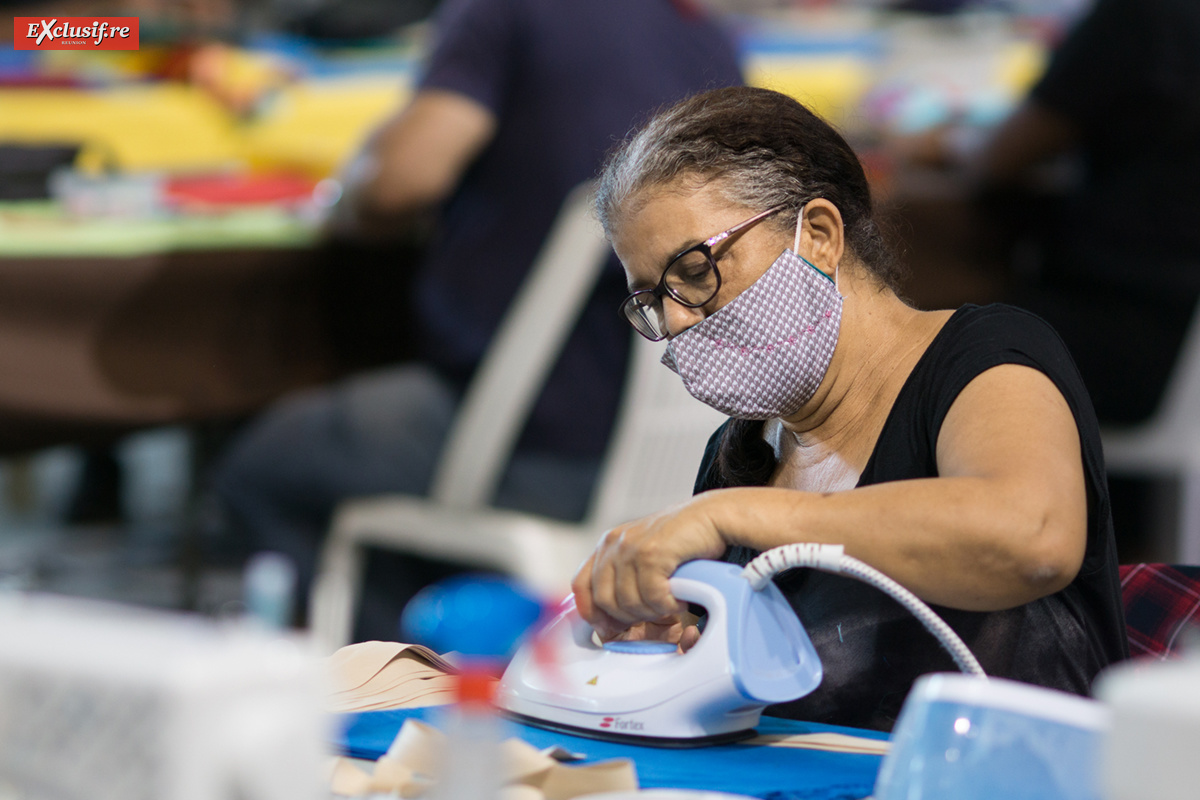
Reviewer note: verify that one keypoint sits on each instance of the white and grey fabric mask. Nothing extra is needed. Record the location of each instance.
(764, 353)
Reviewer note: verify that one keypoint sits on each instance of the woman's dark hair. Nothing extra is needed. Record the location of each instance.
(764, 149)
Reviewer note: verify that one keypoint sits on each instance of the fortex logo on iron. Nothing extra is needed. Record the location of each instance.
(75, 33)
(622, 724)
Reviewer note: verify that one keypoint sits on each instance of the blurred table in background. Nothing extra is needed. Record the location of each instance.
(125, 301)
(110, 326)
(129, 312)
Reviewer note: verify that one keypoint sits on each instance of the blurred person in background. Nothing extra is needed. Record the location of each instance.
(1120, 274)
(345, 19)
(1110, 255)
(517, 104)
(1120, 271)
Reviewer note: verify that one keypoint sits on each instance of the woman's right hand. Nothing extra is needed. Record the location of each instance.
(625, 581)
(681, 630)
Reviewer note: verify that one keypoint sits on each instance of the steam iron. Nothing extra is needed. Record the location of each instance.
(753, 653)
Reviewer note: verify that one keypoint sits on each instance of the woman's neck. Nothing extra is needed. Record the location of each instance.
(879, 343)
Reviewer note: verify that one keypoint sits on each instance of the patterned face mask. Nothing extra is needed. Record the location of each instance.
(764, 353)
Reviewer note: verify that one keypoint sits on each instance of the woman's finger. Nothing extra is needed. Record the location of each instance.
(608, 628)
(581, 586)
(608, 574)
(584, 587)
(642, 590)
(608, 618)
(628, 596)
(654, 588)
(627, 578)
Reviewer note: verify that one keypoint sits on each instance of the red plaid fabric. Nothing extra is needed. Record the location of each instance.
(1162, 601)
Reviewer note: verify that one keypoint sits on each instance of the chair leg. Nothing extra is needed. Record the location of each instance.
(1188, 546)
(335, 593)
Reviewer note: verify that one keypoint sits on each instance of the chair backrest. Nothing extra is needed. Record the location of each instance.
(660, 432)
(656, 444)
(1169, 441)
(1180, 406)
(520, 356)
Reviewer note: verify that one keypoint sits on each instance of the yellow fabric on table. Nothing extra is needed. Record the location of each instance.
(316, 126)
(313, 126)
(832, 86)
(1021, 63)
(165, 126)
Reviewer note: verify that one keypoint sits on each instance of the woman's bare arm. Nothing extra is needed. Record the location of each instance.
(1003, 524)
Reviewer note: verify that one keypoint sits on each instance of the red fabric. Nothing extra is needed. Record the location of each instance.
(238, 189)
(1162, 601)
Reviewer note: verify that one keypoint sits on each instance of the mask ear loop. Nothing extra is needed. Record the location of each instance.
(799, 227)
(796, 248)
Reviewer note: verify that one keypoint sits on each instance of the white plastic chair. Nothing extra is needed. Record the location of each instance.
(656, 445)
(1168, 445)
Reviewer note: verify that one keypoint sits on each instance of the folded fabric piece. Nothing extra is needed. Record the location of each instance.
(831, 742)
(411, 767)
(372, 676)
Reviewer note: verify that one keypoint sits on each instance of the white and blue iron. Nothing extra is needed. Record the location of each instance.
(753, 653)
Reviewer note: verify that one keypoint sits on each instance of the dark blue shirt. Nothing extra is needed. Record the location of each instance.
(566, 79)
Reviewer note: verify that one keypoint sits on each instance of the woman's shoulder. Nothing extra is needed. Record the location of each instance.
(999, 317)
(998, 332)
(977, 338)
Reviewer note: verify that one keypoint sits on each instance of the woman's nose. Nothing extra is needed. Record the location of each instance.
(679, 317)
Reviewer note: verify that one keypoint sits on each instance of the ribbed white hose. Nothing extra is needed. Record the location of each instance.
(832, 558)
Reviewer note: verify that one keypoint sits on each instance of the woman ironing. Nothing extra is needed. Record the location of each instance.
(955, 451)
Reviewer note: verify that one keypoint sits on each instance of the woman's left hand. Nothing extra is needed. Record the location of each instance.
(625, 581)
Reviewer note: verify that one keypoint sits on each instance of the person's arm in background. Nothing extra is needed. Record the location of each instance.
(1031, 135)
(1094, 72)
(416, 159)
(412, 163)
(1101, 68)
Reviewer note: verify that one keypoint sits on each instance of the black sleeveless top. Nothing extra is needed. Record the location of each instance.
(871, 648)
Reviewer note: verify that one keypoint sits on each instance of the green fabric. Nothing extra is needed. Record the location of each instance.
(39, 229)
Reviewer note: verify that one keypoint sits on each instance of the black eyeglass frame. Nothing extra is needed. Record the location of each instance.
(632, 308)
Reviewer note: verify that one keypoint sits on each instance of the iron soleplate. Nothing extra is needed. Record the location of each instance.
(630, 738)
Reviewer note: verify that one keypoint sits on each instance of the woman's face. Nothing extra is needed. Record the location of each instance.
(667, 220)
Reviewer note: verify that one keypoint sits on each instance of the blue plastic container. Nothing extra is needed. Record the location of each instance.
(966, 738)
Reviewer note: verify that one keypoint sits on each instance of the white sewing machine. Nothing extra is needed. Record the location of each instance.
(104, 702)
(1151, 750)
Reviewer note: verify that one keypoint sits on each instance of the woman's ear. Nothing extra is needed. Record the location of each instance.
(822, 237)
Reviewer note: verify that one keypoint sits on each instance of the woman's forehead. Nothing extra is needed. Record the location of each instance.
(685, 197)
(662, 221)
(682, 187)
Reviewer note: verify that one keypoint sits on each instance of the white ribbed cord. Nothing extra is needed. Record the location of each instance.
(832, 558)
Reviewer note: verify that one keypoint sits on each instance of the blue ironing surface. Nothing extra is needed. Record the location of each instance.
(772, 773)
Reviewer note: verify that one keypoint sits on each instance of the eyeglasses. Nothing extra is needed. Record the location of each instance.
(691, 279)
